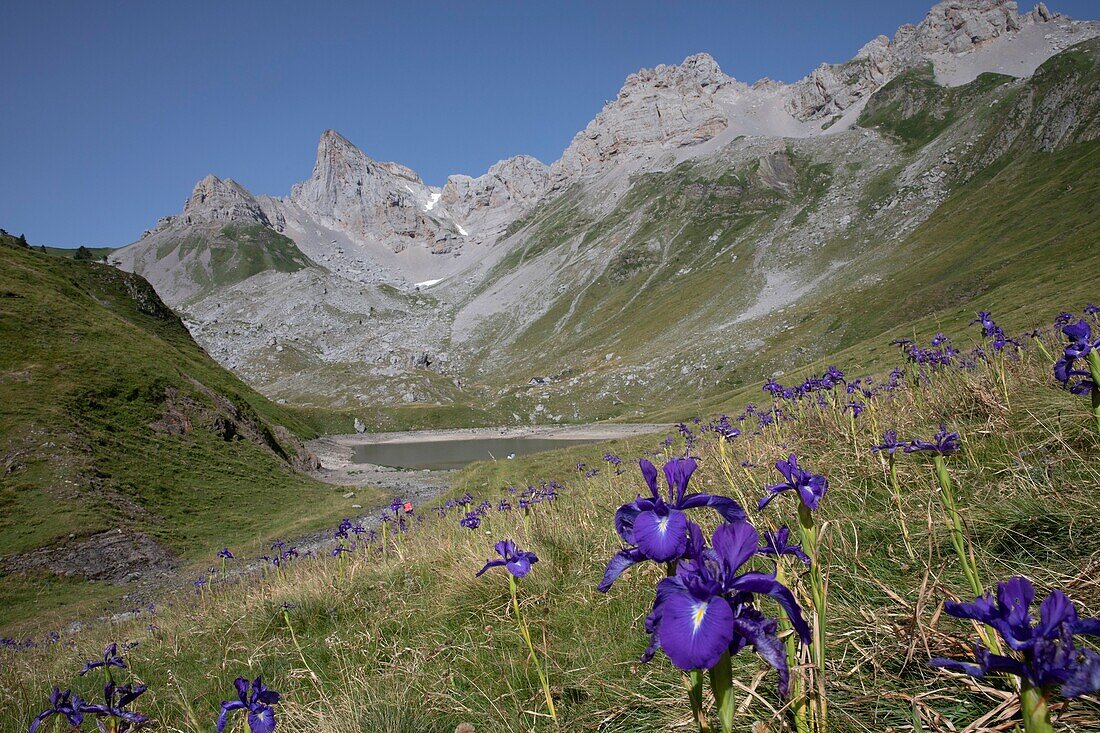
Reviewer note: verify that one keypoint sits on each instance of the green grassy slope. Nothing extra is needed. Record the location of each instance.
(97, 378)
(234, 253)
(411, 641)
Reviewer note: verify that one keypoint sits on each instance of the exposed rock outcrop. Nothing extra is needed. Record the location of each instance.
(215, 201)
(667, 105)
(490, 202)
(368, 200)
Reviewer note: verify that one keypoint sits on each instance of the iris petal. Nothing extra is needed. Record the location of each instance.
(693, 632)
(729, 509)
(262, 721)
(735, 544)
(767, 645)
(618, 564)
(661, 538)
(519, 567)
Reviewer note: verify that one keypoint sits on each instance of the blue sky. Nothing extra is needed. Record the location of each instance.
(111, 111)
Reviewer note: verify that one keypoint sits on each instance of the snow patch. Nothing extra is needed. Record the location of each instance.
(433, 201)
(462, 231)
(427, 283)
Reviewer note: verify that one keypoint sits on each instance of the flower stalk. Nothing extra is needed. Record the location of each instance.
(526, 633)
(808, 533)
(1033, 708)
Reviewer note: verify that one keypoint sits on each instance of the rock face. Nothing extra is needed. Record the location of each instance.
(666, 105)
(218, 202)
(952, 27)
(960, 25)
(490, 202)
(368, 200)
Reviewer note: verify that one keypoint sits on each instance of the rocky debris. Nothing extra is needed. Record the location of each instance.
(777, 173)
(297, 454)
(115, 556)
(176, 413)
(360, 427)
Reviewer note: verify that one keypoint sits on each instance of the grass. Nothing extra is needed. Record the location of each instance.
(93, 360)
(411, 641)
(234, 254)
(915, 110)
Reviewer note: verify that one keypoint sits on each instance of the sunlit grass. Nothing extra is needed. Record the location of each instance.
(411, 641)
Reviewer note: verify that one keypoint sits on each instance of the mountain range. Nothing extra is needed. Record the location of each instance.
(699, 235)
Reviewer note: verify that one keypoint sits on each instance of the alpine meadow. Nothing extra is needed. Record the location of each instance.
(765, 407)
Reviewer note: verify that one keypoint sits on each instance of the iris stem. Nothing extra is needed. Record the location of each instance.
(960, 544)
(526, 633)
(721, 684)
(810, 539)
(790, 641)
(901, 513)
(694, 681)
(1033, 706)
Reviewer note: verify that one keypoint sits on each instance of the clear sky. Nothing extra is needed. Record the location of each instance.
(110, 111)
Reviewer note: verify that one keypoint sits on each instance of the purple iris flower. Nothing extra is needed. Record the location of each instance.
(516, 561)
(658, 530)
(225, 554)
(1047, 656)
(811, 487)
(707, 607)
(855, 407)
(1063, 319)
(115, 699)
(61, 703)
(778, 543)
(890, 443)
(110, 659)
(339, 550)
(472, 520)
(257, 700)
(1077, 381)
(943, 443)
(723, 427)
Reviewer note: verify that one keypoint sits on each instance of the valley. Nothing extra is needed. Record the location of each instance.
(799, 368)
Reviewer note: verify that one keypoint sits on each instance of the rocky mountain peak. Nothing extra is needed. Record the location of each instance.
(370, 201)
(953, 27)
(673, 105)
(959, 25)
(214, 200)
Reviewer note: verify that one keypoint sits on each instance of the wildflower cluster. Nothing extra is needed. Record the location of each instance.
(114, 714)
(707, 610)
(1044, 656)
